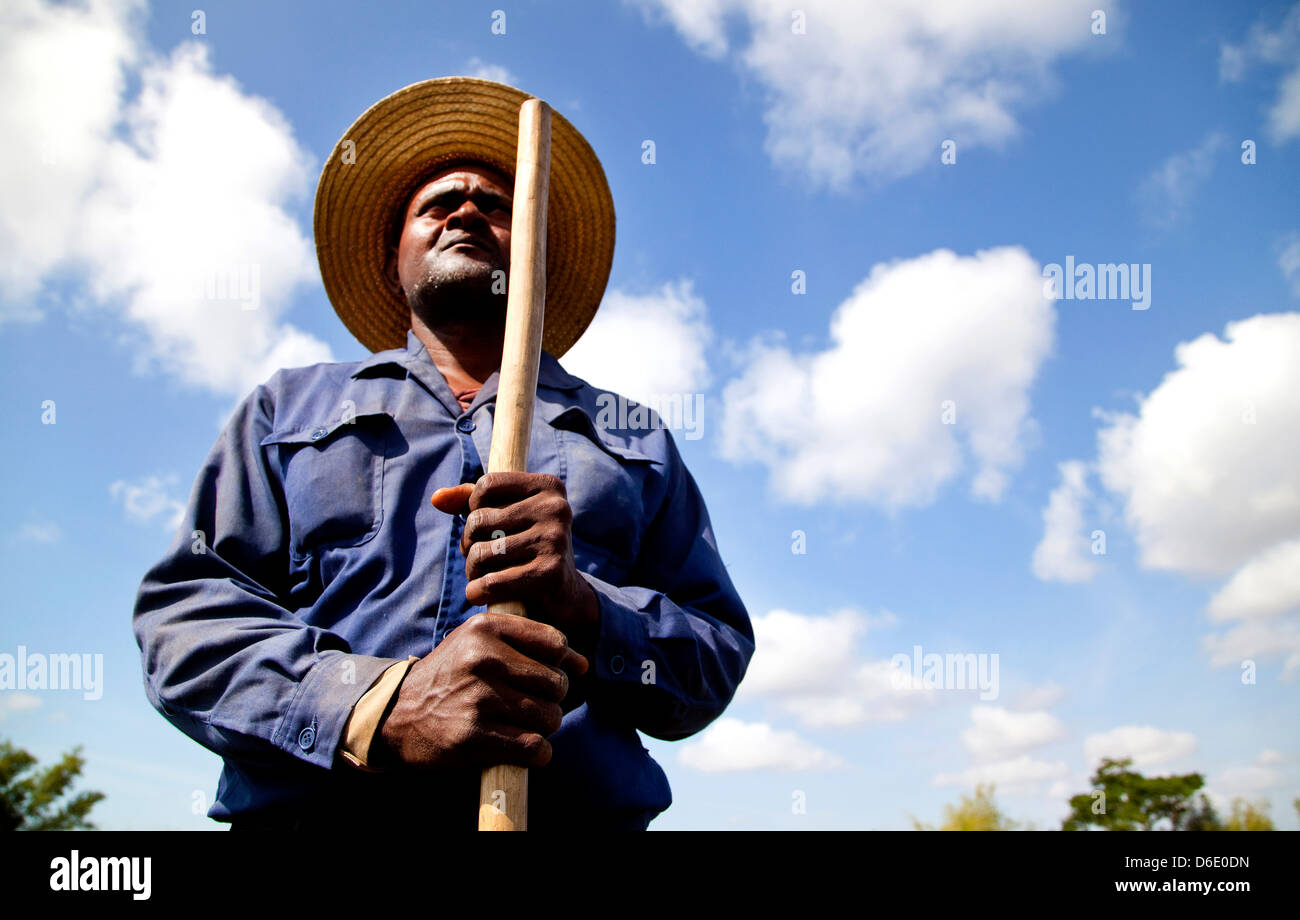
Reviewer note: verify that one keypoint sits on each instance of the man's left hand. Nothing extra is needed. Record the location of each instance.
(518, 546)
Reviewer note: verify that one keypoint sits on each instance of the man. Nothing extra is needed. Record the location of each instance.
(319, 621)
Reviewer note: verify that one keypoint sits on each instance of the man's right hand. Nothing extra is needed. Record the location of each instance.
(490, 693)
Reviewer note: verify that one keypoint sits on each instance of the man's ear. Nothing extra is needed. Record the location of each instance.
(390, 272)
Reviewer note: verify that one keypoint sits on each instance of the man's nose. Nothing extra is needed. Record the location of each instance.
(466, 214)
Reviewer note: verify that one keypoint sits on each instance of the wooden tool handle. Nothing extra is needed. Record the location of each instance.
(503, 791)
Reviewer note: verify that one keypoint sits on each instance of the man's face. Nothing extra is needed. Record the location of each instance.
(455, 236)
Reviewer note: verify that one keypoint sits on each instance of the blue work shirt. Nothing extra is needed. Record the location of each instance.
(310, 560)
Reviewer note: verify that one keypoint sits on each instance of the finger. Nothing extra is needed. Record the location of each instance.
(501, 552)
(507, 667)
(453, 500)
(539, 641)
(504, 705)
(510, 744)
(536, 577)
(490, 524)
(550, 510)
(495, 490)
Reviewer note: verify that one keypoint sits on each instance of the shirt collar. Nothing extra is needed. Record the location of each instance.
(549, 372)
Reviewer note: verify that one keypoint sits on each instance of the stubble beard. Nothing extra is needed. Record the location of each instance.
(459, 297)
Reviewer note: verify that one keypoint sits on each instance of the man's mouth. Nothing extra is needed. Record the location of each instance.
(467, 241)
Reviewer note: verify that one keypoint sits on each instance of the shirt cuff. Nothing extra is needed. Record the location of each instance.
(362, 725)
(622, 652)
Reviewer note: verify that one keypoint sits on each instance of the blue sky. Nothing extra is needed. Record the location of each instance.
(780, 145)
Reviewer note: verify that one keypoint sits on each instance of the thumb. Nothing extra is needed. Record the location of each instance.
(453, 500)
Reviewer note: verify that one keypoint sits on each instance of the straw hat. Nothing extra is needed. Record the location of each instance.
(382, 159)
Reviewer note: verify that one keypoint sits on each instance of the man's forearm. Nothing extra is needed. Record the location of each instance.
(672, 668)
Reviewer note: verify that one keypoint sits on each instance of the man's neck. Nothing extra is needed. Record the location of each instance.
(462, 353)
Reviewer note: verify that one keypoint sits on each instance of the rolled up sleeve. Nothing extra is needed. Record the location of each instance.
(225, 660)
(675, 642)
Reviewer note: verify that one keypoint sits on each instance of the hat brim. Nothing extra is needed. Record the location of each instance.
(397, 142)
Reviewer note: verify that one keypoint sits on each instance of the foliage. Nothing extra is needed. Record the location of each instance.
(973, 813)
(1125, 800)
(1248, 816)
(33, 799)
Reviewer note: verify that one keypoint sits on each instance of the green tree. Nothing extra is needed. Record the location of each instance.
(33, 799)
(973, 813)
(1248, 816)
(1125, 800)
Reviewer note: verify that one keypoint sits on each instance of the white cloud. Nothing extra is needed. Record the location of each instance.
(730, 745)
(1284, 117)
(873, 89)
(71, 63)
(1269, 757)
(1246, 781)
(810, 667)
(13, 701)
(1000, 734)
(1258, 640)
(1064, 554)
(150, 499)
(1209, 468)
(156, 205)
(916, 337)
(1276, 47)
(485, 71)
(999, 741)
(1019, 776)
(670, 325)
(1288, 261)
(1147, 746)
(1167, 190)
(1265, 586)
(38, 532)
(1209, 472)
(1044, 696)
(802, 652)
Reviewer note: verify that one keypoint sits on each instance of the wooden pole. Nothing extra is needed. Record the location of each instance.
(503, 791)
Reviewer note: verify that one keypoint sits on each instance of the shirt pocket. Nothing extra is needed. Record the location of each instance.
(606, 486)
(333, 476)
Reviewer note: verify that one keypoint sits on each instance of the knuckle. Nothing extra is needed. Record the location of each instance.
(534, 746)
(461, 732)
(483, 628)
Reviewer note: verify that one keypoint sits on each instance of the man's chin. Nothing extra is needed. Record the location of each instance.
(459, 301)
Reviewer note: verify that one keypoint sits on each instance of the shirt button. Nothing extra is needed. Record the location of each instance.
(307, 738)
(318, 434)
(465, 424)
(616, 664)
